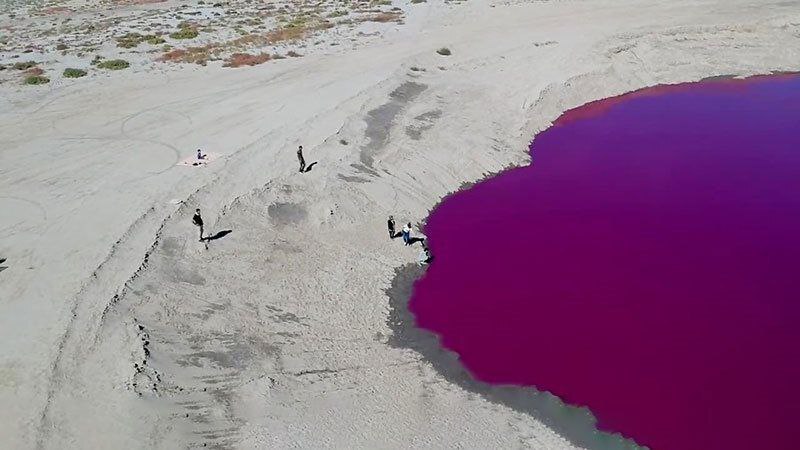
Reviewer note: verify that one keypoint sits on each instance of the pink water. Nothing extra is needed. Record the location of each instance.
(646, 266)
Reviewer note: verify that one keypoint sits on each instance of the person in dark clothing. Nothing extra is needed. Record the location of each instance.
(301, 159)
(391, 227)
(198, 221)
(425, 256)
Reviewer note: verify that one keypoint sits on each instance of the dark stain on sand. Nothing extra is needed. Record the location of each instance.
(380, 120)
(423, 123)
(282, 214)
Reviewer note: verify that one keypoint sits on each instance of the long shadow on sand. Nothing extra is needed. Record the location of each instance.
(575, 424)
(215, 236)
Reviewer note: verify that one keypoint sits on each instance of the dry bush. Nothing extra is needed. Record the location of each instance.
(246, 59)
(24, 65)
(286, 34)
(293, 54)
(382, 17)
(176, 55)
(35, 71)
(296, 32)
(192, 55)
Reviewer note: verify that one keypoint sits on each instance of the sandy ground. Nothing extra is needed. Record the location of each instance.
(118, 329)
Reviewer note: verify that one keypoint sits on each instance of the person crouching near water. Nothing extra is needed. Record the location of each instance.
(424, 256)
(407, 234)
(198, 221)
(391, 227)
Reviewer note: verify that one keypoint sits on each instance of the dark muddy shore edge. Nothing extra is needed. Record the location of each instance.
(576, 424)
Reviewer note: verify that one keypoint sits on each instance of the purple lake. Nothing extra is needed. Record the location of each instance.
(646, 266)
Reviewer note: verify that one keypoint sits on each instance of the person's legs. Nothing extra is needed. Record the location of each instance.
(201, 232)
(302, 164)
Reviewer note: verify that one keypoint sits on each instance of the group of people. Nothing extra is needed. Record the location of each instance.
(425, 256)
(197, 219)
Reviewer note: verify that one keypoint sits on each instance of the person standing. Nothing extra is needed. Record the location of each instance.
(391, 227)
(198, 221)
(301, 159)
(407, 234)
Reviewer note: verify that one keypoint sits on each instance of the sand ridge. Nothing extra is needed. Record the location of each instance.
(120, 329)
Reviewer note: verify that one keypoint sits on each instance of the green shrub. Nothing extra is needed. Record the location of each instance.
(61, 46)
(184, 33)
(74, 73)
(130, 40)
(113, 64)
(186, 30)
(154, 40)
(24, 65)
(444, 51)
(36, 79)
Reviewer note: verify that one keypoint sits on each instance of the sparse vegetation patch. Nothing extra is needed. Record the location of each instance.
(74, 73)
(132, 40)
(246, 59)
(382, 17)
(192, 55)
(113, 64)
(185, 31)
(444, 51)
(24, 65)
(36, 79)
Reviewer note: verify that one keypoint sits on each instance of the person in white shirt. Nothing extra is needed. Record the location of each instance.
(407, 234)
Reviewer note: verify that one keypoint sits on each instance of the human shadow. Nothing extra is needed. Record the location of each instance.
(311, 166)
(396, 234)
(217, 235)
(414, 240)
(2, 268)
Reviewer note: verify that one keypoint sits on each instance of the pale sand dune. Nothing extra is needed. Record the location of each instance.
(282, 333)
